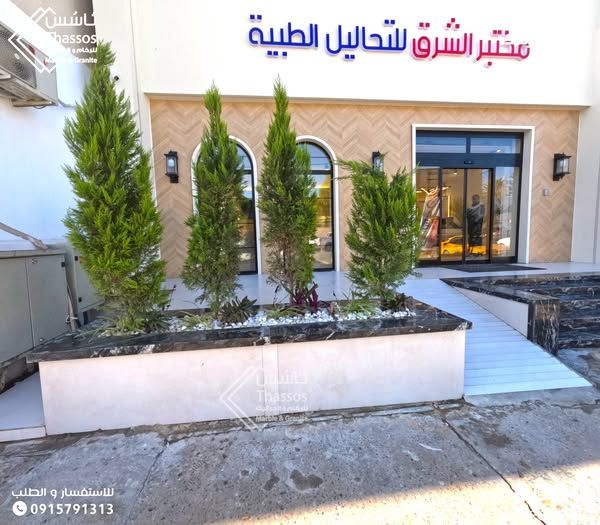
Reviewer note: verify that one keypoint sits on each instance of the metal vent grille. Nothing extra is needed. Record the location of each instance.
(13, 62)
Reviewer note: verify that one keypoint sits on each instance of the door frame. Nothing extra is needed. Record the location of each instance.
(526, 179)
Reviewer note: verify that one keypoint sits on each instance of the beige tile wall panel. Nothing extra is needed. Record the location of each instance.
(353, 131)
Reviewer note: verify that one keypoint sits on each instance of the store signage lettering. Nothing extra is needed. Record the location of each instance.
(346, 42)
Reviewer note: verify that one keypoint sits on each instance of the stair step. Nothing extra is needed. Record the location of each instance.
(550, 367)
(575, 303)
(499, 379)
(524, 386)
(579, 339)
(592, 323)
(505, 363)
(583, 288)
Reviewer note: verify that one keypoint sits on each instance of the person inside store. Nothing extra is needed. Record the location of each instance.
(475, 214)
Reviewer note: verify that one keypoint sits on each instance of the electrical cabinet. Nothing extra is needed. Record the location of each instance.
(83, 293)
(33, 300)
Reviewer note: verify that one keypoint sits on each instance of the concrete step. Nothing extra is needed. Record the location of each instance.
(21, 411)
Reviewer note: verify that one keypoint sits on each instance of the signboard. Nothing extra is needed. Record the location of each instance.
(421, 43)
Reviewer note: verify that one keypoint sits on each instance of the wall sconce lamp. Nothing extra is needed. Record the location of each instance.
(172, 166)
(377, 160)
(561, 165)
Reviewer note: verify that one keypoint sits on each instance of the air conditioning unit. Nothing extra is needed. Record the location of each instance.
(20, 80)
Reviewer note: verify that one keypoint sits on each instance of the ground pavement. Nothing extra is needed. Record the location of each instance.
(496, 459)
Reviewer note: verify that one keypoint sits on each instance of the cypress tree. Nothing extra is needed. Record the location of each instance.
(212, 262)
(114, 224)
(383, 230)
(288, 202)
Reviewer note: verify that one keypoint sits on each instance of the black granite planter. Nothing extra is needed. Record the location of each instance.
(563, 309)
(427, 319)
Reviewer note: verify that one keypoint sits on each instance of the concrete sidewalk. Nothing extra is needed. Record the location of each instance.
(503, 460)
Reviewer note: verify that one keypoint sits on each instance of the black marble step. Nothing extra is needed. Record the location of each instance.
(579, 339)
(591, 322)
(579, 290)
(579, 306)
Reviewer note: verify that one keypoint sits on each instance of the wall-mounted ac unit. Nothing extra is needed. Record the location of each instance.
(20, 80)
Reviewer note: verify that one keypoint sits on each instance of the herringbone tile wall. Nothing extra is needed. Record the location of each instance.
(353, 131)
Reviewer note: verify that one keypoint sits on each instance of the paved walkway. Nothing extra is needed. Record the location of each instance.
(498, 358)
(503, 461)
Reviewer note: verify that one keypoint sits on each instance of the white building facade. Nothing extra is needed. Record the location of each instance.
(476, 101)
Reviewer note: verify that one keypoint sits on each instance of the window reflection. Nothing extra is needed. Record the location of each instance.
(495, 145)
(247, 222)
(506, 204)
(435, 143)
(429, 203)
(321, 167)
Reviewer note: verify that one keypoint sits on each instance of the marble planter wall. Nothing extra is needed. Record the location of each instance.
(250, 382)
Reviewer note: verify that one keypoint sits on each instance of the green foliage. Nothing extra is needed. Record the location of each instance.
(356, 305)
(237, 310)
(193, 321)
(114, 224)
(277, 312)
(288, 203)
(212, 262)
(383, 230)
(396, 303)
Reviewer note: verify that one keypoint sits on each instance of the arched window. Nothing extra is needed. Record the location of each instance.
(248, 244)
(248, 256)
(321, 167)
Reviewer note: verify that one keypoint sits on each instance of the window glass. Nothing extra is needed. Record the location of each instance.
(247, 223)
(506, 204)
(441, 144)
(429, 203)
(322, 172)
(495, 145)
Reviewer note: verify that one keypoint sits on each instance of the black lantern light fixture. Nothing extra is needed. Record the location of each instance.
(172, 166)
(377, 160)
(561, 165)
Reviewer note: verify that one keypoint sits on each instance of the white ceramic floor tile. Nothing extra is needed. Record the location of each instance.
(21, 411)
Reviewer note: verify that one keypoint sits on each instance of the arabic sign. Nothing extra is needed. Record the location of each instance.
(347, 41)
(75, 30)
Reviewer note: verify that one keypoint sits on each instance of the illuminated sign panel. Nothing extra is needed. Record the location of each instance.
(422, 45)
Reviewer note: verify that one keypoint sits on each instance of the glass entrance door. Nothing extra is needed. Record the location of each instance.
(452, 242)
(456, 207)
(468, 192)
(465, 220)
(477, 215)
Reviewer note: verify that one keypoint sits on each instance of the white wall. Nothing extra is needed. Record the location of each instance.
(182, 47)
(34, 191)
(586, 219)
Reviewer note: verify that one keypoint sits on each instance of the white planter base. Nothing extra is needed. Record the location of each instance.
(182, 387)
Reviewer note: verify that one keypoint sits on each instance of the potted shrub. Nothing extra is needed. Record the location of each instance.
(383, 232)
(288, 203)
(212, 262)
(114, 223)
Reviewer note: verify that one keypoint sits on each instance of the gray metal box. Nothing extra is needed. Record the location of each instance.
(83, 293)
(48, 299)
(15, 317)
(33, 299)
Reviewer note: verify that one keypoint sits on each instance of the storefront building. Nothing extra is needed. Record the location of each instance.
(479, 103)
